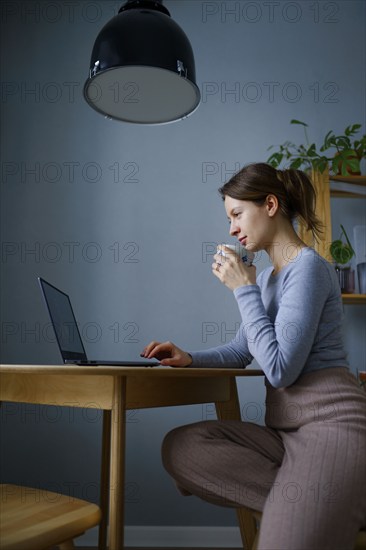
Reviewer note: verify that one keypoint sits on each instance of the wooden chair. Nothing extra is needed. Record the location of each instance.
(249, 523)
(33, 519)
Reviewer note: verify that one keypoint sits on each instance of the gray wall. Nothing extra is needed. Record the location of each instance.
(123, 217)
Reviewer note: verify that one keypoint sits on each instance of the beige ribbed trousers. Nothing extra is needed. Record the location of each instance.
(306, 469)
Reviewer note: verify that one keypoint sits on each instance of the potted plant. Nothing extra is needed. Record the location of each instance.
(349, 153)
(342, 154)
(342, 253)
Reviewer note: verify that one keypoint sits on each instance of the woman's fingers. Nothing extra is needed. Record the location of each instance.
(158, 350)
(147, 349)
(167, 353)
(153, 349)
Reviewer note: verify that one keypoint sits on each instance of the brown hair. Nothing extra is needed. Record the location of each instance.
(293, 189)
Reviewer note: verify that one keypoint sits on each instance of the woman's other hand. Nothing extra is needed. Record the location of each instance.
(167, 353)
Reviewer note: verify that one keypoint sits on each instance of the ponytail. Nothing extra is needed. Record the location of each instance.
(301, 198)
(293, 189)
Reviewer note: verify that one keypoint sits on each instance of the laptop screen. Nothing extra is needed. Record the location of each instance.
(64, 323)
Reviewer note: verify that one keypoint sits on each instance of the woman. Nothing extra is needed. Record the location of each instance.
(305, 469)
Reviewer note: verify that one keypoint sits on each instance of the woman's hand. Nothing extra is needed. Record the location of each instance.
(231, 270)
(167, 353)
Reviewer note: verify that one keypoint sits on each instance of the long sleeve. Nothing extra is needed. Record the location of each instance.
(304, 329)
(234, 354)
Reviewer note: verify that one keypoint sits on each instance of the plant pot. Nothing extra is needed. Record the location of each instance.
(361, 274)
(346, 278)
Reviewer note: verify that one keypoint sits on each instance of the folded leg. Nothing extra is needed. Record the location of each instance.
(229, 463)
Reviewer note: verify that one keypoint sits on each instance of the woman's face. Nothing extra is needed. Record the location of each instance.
(249, 223)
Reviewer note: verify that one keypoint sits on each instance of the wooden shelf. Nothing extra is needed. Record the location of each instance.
(346, 186)
(355, 180)
(354, 299)
(338, 194)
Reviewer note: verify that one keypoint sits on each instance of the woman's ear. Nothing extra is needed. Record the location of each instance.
(271, 205)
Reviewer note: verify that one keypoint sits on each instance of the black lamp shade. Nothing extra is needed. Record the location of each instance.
(142, 67)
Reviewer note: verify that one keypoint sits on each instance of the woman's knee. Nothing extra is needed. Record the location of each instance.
(180, 444)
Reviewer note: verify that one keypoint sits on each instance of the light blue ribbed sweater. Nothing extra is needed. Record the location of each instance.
(291, 323)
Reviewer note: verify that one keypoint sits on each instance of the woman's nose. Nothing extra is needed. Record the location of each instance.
(233, 229)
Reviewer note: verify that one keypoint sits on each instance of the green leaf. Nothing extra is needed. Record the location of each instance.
(353, 164)
(328, 135)
(293, 121)
(345, 255)
(335, 164)
(311, 152)
(295, 165)
(275, 159)
(335, 248)
(352, 129)
(332, 141)
(341, 253)
(344, 170)
(343, 142)
(336, 244)
(322, 164)
(327, 141)
(347, 153)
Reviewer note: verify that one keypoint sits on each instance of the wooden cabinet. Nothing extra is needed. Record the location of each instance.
(326, 187)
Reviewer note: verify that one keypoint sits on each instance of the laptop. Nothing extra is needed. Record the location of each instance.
(67, 332)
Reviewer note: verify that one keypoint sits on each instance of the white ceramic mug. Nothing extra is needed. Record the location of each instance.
(246, 256)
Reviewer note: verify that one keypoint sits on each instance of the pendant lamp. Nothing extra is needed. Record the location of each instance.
(142, 67)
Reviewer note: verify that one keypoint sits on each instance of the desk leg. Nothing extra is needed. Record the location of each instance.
(116, 497)
(230, 410)
(104, 479)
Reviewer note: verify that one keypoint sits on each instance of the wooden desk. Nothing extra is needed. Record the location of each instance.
(115, 390)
